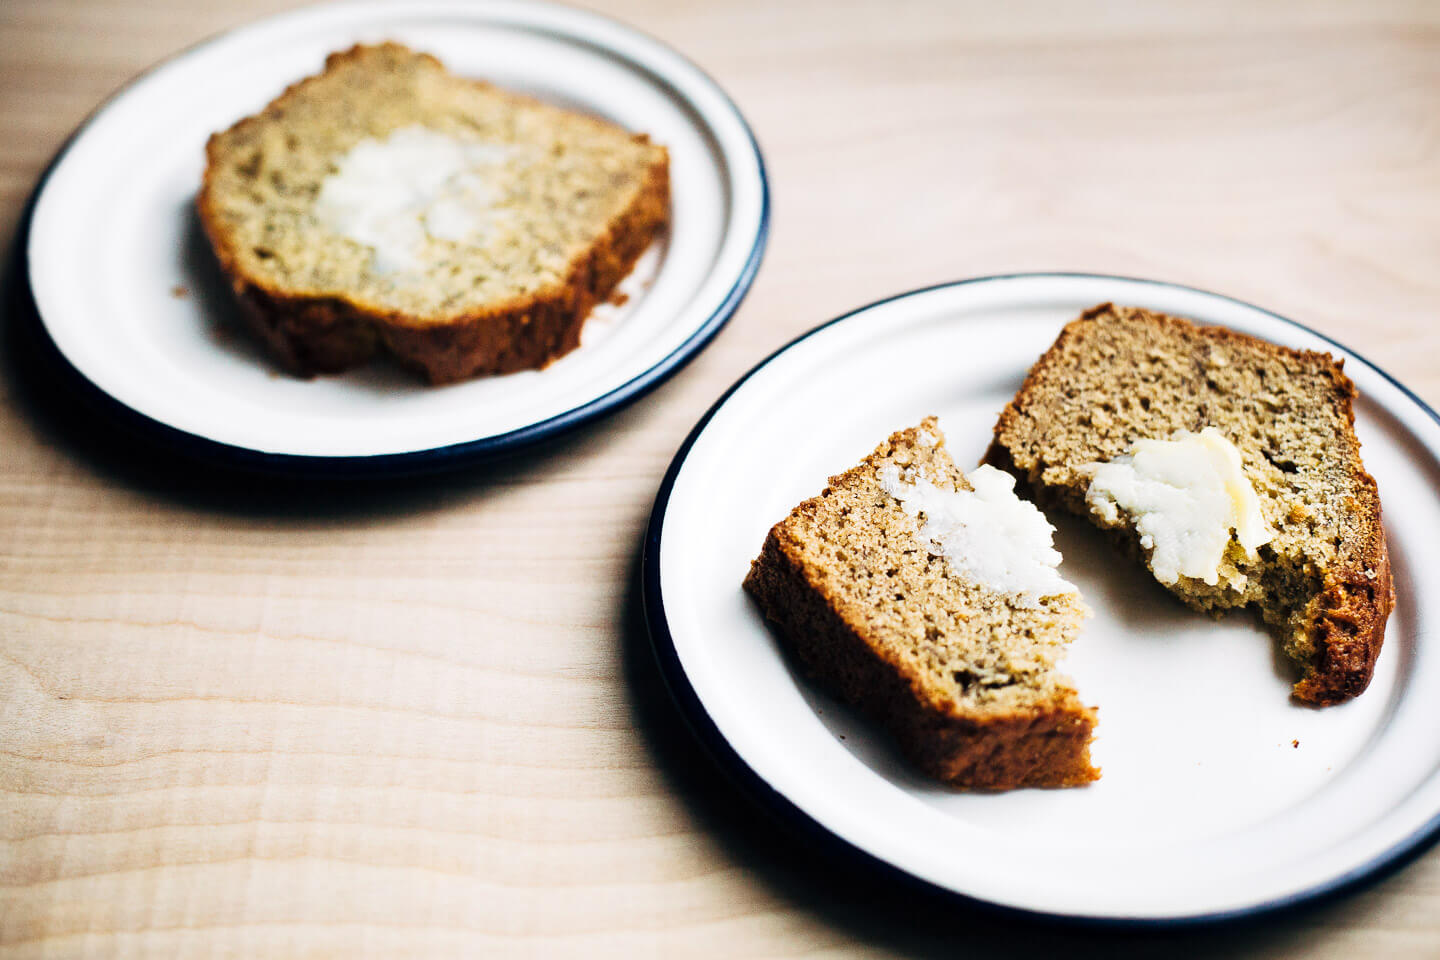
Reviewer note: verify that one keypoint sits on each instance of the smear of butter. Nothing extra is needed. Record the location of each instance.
(988, 533)
(1187, 496)
(392, 194)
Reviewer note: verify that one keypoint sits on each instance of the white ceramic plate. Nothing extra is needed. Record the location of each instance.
(114, 234)
(1208, 808)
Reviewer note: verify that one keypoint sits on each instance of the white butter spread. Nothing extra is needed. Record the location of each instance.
(1186, 496)
(391, 195)
(989, 534)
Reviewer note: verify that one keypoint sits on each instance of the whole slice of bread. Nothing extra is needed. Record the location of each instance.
(570, 203)
(1118, 374)
(961, 675)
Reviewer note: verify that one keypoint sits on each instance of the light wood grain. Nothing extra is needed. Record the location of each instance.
(420, 719)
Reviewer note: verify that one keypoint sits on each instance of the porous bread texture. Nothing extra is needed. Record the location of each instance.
(962, 677)
(1118, 374)
(578, 200)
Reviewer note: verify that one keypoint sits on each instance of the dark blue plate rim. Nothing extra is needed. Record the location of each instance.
(409, 462)
(790, 815)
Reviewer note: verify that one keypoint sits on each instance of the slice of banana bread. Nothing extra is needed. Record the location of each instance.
(385, 203)
(883, 588)
(1119, 379)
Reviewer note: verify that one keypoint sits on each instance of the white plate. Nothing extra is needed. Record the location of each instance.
(1207, 808)
(114, 233)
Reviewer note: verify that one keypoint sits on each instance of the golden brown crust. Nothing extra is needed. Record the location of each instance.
(967, 747)
(1346, 618)
(329, 334)
(1348, 627)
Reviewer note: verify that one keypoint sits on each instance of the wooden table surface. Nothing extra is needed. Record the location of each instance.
(421, 719)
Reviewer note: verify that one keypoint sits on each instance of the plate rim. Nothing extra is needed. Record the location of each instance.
(760, 792)
(407, 462)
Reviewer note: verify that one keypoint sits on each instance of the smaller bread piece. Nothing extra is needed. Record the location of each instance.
(1117, 375)
(962, 674)
(386, 204)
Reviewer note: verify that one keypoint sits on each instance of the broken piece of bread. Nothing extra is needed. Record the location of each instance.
(931, 601)
(1177, 437)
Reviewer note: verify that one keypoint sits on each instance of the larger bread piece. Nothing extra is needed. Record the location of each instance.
(963, 675)
(387, 204)
(1119, 374)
